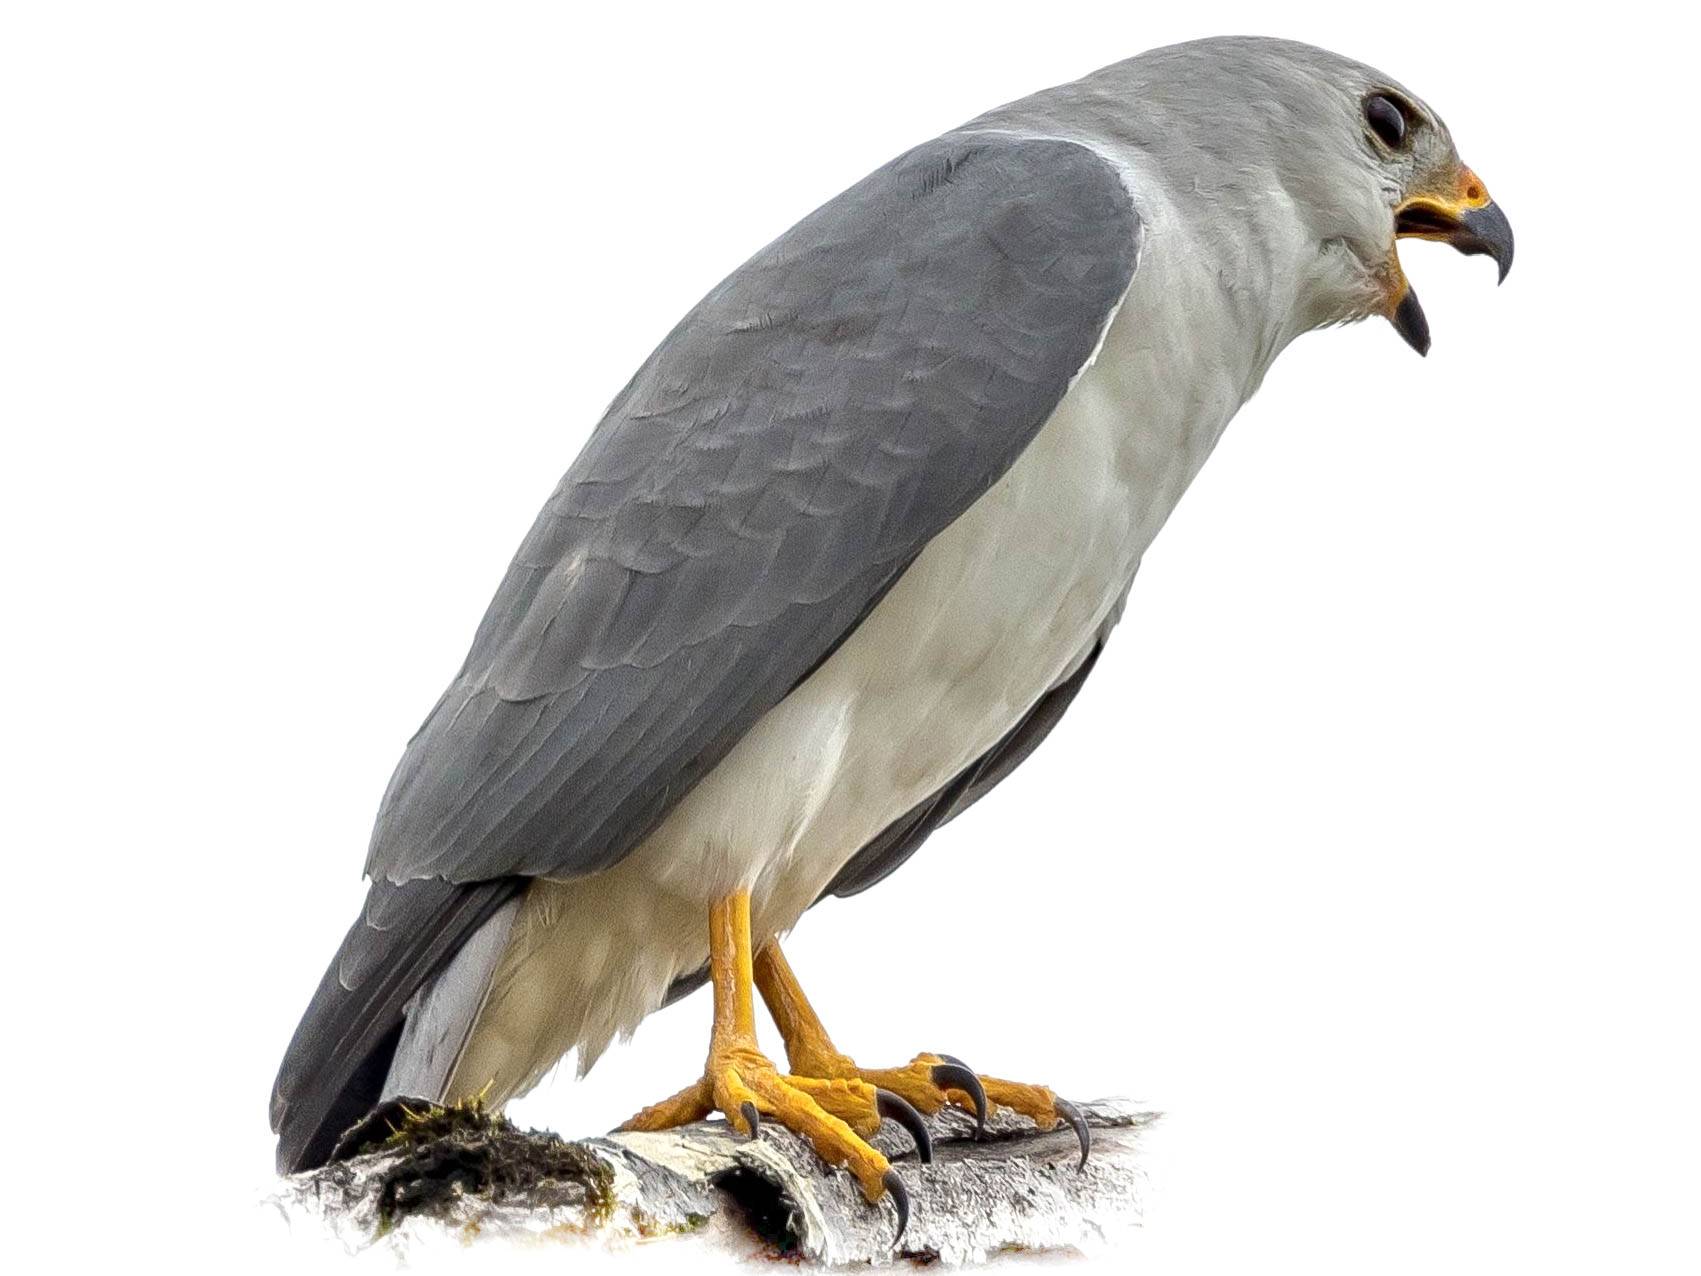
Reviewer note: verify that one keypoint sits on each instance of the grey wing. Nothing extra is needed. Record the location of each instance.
(753, 491)
(334, 1068)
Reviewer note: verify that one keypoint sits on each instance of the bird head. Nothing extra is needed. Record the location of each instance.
(1298, 168)
(1363, 163)
(1438, 198)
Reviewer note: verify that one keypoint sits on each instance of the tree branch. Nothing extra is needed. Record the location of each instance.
(464, 1173)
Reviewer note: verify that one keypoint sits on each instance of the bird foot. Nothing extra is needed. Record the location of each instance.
(930, 1081)
(835, 1114)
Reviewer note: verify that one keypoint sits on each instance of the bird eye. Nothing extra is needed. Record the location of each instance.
(1386, 120)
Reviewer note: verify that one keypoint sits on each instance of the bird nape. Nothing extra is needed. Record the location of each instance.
(835, 561)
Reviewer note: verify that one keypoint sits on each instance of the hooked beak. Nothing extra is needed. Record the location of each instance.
(1466, 218)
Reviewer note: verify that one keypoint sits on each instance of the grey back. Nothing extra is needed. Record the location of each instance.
(753, 491)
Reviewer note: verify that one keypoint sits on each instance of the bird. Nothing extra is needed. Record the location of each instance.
(835, 561)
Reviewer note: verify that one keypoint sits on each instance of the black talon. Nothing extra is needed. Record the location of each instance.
(954, 1074)
(1070, 1113)
(894, 1107)
(900, 1201)
(752, 1118)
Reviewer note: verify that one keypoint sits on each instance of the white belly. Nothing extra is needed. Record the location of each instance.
(995, 611)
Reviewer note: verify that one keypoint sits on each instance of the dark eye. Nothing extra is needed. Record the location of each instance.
(1386, 120)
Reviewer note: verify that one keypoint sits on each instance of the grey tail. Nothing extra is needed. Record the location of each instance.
(335, 1068)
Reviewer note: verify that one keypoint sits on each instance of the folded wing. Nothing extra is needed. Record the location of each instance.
(751, 494)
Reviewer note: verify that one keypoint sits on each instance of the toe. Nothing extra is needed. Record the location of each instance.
(796, 1103)
(693, 1103)
(852, 1101)
(741, 1103)
(1041, 1106)
(865, 1108)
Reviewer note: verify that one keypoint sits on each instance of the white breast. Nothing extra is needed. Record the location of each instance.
(995, 611)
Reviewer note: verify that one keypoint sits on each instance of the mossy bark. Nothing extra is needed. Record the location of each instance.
(427, 1173)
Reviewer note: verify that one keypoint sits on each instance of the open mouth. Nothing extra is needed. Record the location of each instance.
(1482, 229)
(1422, 221)
(1470, 221)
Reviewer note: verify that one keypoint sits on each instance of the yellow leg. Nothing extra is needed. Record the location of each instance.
(928, 1082)
(739, 1081)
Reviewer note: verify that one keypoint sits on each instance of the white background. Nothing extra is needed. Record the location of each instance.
(1369, 854)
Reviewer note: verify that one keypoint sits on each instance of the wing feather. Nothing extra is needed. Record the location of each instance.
(764, 478)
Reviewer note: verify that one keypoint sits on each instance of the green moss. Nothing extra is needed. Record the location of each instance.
(650, 1229)
(444, 1154)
